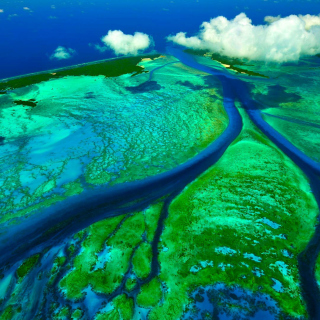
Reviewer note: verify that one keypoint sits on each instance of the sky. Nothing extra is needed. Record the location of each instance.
(41, 35)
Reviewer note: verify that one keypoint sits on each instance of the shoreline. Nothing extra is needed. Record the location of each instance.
(3, 80)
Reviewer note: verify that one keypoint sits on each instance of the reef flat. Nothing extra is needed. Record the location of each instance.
(238, 222)
(224, 244)
(88, 131)
(290, 103)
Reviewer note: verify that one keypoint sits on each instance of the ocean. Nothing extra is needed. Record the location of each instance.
(31, 29)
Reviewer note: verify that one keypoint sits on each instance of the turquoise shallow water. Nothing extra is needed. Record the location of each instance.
(91, 131)
(89, 135)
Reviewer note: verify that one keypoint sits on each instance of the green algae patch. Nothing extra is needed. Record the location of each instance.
(57, 264)
(108, 249)
(60, 261)
(123, 244)
(9, 313)
(124, 305)
(63, 314)
(104, 235)
(109, 315)
(80, 276)
(130, 284)
(152, 215)
(73, 188)
(79, 235)
(110, 68)
(97, 176)
(122, 309)
(27, 265)
(76, 314)
(317, 270)
(236, 221)
(142, 260)
(28, 103)
(25, 212)
(71, 250)
(150, 294)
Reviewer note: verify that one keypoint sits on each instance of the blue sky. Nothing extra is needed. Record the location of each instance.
(32, 30)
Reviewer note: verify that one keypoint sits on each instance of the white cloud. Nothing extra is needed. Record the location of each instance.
(1, 10)
(126, 44)
(62, 53)
(99, 47)
(282, 40)
(310, 20)
(270, 19)
(26, 8)
(12, 16)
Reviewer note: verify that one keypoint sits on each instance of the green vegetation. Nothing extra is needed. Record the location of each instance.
(317, 271)
(27, 266)
(109, 315)
(57, 264)
(150, 294)
(8, 313)
(28, 103)
(116, 241)
(229, 63)
(130, 283)
(76, 314)
(81, 275)
(79, 235)
(122, 309)
(124, 306)
(71, 249)
(152, 215)
(73, 188)
(142, 260)
(236, 221)
(233, 63)
(109, 68)
(62, 314)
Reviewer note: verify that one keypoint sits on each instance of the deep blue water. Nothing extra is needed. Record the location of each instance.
(29, 38)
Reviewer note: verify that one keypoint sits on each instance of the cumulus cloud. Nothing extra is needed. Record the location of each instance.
(62, 53)
(98, 47)
(1, 10)
(281, 40)
(310, 20)
(270, 19)
(124, 44)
